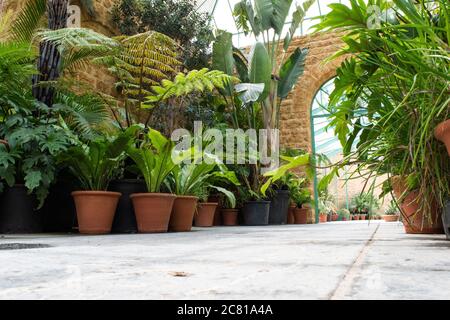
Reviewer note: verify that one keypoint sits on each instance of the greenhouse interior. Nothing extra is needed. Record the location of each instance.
(224, 150)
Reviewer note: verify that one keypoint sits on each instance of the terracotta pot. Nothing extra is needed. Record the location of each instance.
(334, 217)
(355, 217)
(230, 217)
(414, 220)
(183, 213)
(205, 214)
(362, 217)
(442, 133)
(217, 214)
(291, 213)
(323, 218)
(95, 210)
(300, 215)
(152, 211)
(391, 218)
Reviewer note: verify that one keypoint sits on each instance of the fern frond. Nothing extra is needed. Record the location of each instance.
(83, 113)
(144, 60)
(29, 20)
(184, 84)
(79, 46)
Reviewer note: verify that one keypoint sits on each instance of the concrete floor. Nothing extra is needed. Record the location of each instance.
(341, 260)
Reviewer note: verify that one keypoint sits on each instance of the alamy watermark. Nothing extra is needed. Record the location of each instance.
(232, 146)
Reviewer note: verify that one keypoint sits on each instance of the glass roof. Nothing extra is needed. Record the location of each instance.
(223, 18)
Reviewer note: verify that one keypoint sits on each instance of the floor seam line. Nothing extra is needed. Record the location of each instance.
(347, 280)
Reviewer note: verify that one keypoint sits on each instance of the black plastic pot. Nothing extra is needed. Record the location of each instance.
(125, 219)
(256, 213)
(59, 213)
(279, 207)
(17, 214)
(446, 219)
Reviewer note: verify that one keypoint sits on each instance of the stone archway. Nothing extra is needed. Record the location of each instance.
(296, 109)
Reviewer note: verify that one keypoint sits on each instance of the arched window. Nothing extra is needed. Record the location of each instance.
(323, 139)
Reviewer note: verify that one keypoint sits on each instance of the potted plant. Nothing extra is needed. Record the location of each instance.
(343, 214)
(364, 204)
(229, 214)
(95, 164)
(28, 163)
(301, 197)
(392, 213)
(417, 217)
(334, 216)
(295, 188)
(326, 205)
(127, 183)
(154, 160)
(193, 181)
(204, 216)
(401, 105)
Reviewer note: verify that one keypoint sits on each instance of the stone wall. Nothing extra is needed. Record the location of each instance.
(296, 109)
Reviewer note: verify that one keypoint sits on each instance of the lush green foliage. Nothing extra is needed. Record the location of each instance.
(393, 91)
(299, 192)
(266, 19)
(365, 203)
(343, 214)
(177, 19)
(34, 142)
(154, 159)
(95, 164)
(185, 84)
(200, 176)
(393, 209)
(326, 202)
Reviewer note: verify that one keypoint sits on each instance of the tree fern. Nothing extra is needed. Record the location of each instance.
(84, 114)
(29, 19)
(184, 84)
(78, 46)
(145, 60)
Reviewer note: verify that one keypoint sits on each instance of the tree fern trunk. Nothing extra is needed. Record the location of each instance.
(49, 57)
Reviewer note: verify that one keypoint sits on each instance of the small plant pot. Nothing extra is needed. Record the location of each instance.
(153, 211)
(323, 218)
(230, 217)
(279, 207)
(391, 218)
(125, 219)
(442, 133)
(183, 213)
(256, 213)
(217, 213)
(334, 217)
(300, 215)
(205, 214)
(362, 217)
(95, 210)
(291, 212)
(355, 217)
(59, 213)
(17, 214)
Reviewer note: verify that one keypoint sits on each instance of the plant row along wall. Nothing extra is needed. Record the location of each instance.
(83, 140)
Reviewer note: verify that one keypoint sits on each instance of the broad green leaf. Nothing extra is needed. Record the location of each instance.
(260, 70)
(222, 58)
(290, 72)
(249, 92)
